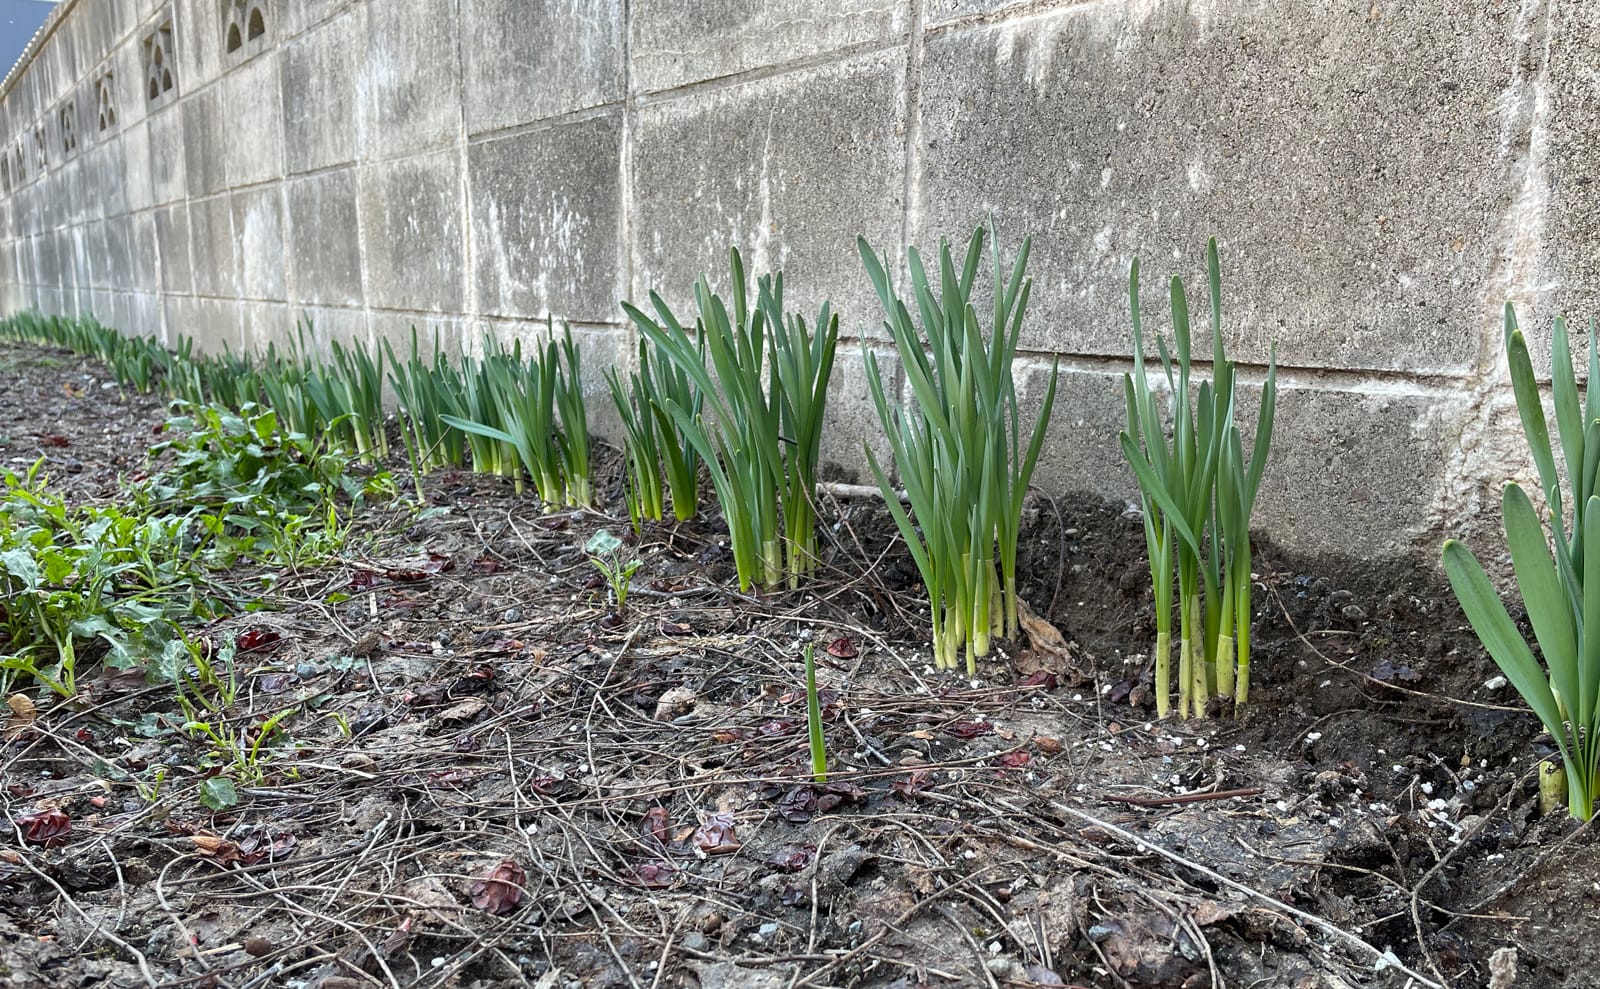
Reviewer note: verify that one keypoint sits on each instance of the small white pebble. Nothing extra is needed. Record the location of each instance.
(1427, 788)
(969, 854)
(1312, 738)
(1238, 748)
(437, 962)
(1494, 683)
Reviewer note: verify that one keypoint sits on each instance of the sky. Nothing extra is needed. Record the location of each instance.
(18, 20)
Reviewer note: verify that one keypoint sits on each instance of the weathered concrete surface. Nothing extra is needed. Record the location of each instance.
(674, 43)
(1354, 187)
(549, 247)
(324, 239)
(789, 168)
(533, 61)
(1381, 178)
(411, 222)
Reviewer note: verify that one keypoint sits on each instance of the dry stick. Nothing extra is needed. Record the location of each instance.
(1385, 958)
(1184, 798)
(143, 963)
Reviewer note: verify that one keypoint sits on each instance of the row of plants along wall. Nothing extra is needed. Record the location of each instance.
(741, 391)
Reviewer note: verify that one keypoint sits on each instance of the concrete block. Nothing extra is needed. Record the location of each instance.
(296, 19)
(213, 247)
(412, 229)
(253, 125)
(97, 253)
(1354, 187)
(673, 43)
(172, 245)
(106, 178)
(790, 169)
(130, 150)
(143, 270)
(410, 77)
(319, 92)
(344, 325)
(453, 333)
(259, 244)
(1357, 474)
(138, 314)
(852, 420)
(546, 211)
(206, 134)
(197, 30)
(261, 323)
(528, 61)
(324, 246)
(1563, 197)
(168, 159)
(1081, 452)
(213, 324)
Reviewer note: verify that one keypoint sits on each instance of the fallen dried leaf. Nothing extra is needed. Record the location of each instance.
(1047, 651)
(500, 890)
(256, 638)
(215, 847)
(654, 875)
(463, 710)
(793, 858)
(677, 701)
(969, 729)
(842, 648)
(45, 827)
(657, 826)
(715, 836)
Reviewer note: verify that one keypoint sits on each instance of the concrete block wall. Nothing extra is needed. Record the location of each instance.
(1381, 178)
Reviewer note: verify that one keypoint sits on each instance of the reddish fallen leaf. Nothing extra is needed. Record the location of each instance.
(836, 794)
(969, 729)
(1015, 759)
(1048, 745)
(55, 440)
(259, 845)
(84, 735)
(779, 726)
(1040, 678)
(799, 805)
(715, 836)
(277, 683)
(500, 890)
(793, 858)
(45, 827)
(256, 638)
(546, 785)
(842, 648)
(674, 628)
(654, 875)
(485, 565)
(98, 803)
(430, 565)
(657, 826)
(363, 580)
(913, 783)
(727, 736)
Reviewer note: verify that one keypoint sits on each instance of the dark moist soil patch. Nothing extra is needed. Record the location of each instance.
(532, 794)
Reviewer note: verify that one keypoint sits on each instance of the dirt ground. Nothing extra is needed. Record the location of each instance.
(532, 793)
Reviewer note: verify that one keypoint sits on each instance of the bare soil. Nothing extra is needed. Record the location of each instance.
(534, 793)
